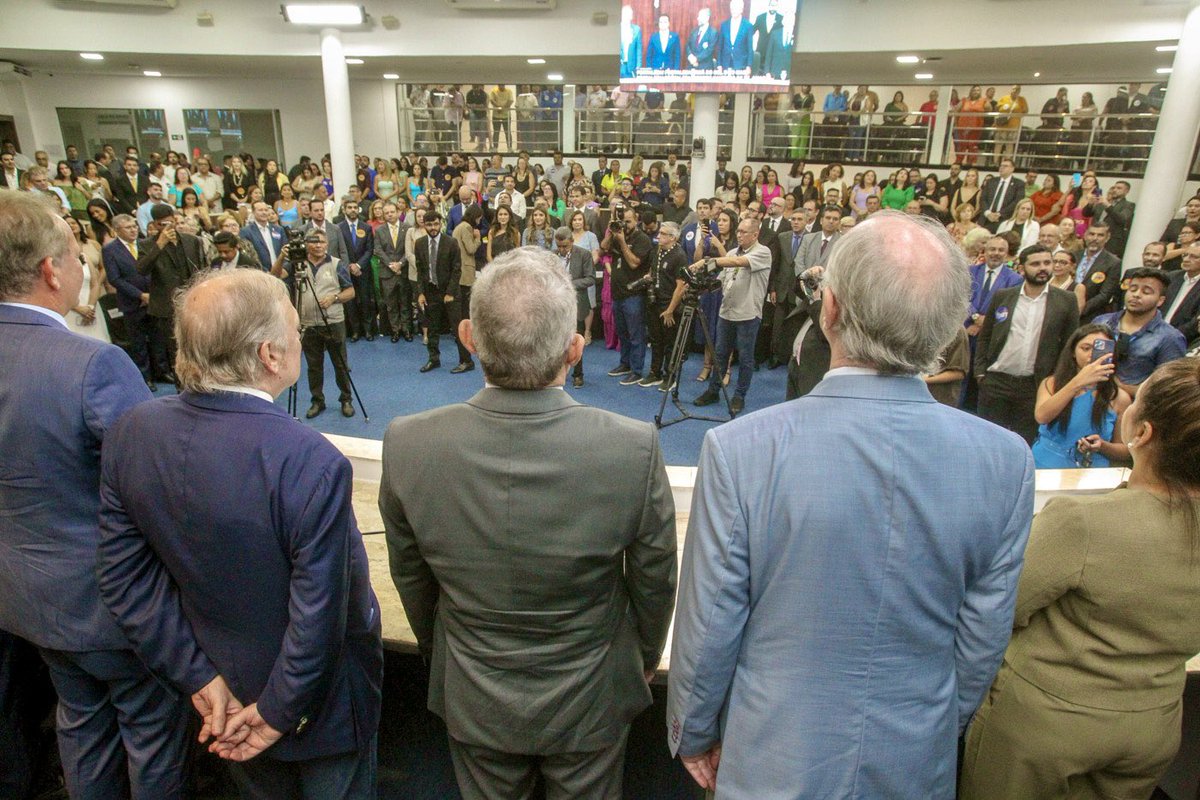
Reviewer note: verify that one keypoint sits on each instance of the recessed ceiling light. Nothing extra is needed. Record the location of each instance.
(908, 59)
(1164, 70)
(924, 76)
(535, 61)
(391, 76)
(355, 61)
(554, 76)
(1167, 48)
(152, 73)
(1037, 74)
(91, 56)
(324, 14)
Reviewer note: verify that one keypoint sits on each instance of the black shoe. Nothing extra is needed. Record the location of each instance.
(395, 338)
(463, 366)
(316, 408)
(774, 363)
(370, 337)
(736, 405)
(619, 369)
(408, 337)
(347, 408)
(354, 337)
(431, 364)
(151, 385)
(709, 397)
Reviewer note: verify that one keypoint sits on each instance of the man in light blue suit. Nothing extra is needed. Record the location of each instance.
(852, 556)
(735, 44)
(662, 52)
(120, 731)
(631, 44)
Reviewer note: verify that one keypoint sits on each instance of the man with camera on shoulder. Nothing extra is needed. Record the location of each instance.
(745, 273)
(630, 249)
(664, 291)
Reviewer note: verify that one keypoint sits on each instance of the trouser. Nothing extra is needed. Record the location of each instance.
(140, 332)
(485, 774)
(162, 346)
(121, 733)
(351, 776)
(360, 312)
(662, 338)
(581, 329)
(629, 316)
(501, 121)
(743, 334)
(781, 343)
(26, 698)
(395, 300)
(318, 340)
(1026, 743)
(436, 308)
(1008, 401)
(764, 343)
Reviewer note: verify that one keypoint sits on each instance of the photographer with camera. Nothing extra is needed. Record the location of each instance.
(324, 284)
(169, 258)
(664, 291)
(630, 249)
(745, 274)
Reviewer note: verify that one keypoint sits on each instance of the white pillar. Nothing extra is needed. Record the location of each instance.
(941, 124)
(1174, 140)
(704, 124)
(337, 110)
(742, 105)
(568, 119)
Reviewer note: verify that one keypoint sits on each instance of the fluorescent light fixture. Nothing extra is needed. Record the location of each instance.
(1164, 70)
(354, 62)
(324, 14)
(924, 76)
(908, 59)
(1037, 74)
(554, 76)
(152, 73)
(535, 61)
(1167, 48)
(391, 76)
(91, 56)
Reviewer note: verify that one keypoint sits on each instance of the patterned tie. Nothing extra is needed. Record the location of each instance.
(433, 260)
(795, 244)
(824, 245)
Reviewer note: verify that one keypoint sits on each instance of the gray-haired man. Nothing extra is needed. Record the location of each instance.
(577, 262)
(576, 576)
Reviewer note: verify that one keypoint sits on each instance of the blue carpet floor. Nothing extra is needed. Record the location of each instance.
(390, 385)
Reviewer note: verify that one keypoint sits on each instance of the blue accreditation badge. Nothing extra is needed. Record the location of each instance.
(1001, 313)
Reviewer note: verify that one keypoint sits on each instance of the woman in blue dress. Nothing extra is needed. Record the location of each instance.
(1079, 423)
(722, 240)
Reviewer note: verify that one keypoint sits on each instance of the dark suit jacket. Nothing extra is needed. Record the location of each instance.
(583, 275)
(815, 354)
(387, 253)
(1061, 320)
(169, 269)
(739, 55)
(770, 240)
(121, 271)
(772, 56)
(52, 424)
(1118, 216)
(704, 48)
(4, 179)
(542, 599)
(1188, 315)
(253, 235)
(361, 252)
(126, 199)
(1101, 294)
(1014, 194)
(659, 58)
(241, 557)
(448, 267)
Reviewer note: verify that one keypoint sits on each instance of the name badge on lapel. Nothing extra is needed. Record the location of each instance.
(1098, 277)
(1001, 313)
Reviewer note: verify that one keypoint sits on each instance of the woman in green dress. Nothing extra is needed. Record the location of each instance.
(800, 121)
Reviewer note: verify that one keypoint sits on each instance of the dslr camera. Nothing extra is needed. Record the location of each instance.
(646, 284)
(295, 248)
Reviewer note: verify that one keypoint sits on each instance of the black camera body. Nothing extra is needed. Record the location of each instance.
(706, 280)
(646, 284)
(295, 249)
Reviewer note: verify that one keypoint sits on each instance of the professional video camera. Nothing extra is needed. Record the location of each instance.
(295, 249)
(705, 280)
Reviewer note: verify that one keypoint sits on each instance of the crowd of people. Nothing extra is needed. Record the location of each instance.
(1052, 647)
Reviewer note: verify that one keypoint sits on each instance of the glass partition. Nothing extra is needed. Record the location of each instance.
(228, 131)
(90, 129)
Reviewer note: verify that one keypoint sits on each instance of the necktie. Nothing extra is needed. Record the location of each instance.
(433, 260)
(987, 283)
(392, 228)
(999, 194)
(266, 235)
(132, 249)
(795, 244)
(353, 234)
(824, 244)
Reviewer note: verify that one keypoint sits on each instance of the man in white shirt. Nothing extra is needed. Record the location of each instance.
(1182, 306)
(517, 199)
(39, 182)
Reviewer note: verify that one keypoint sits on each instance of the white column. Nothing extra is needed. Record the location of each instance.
(704, 124)
(1174, 140)
(568, 119)
(742, 104)
(941, 124)
(337, 110)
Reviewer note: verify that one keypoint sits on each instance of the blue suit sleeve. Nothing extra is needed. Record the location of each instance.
(318, 601)
(112, 269)
(111, 386)
(712, 609)
(141, 595)
(985, 618)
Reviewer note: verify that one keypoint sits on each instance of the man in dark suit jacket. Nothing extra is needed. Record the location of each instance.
(577, 577)
(169, 258)
(582, 271)
(60, 394)
(1181, 306)
(660, 54)
(999, 196)
(769, 237)
(269, 241)
(395, 292)
(438, 293)
(735, 43)
(361, 319)
(129, 187)
(133, 299)
(1015, 353)
(702, 45)
(1116, 211)
(10, 176)
(1100, 273)
(237, 563)
(771, 57)
(808, 349)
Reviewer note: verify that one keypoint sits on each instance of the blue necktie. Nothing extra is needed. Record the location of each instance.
(795, 244)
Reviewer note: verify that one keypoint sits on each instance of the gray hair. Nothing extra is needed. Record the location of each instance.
(121, 219)
(903, 289)
(669, 228)
(29, 234)
(522, 318)
(562, 234)
(221, 319)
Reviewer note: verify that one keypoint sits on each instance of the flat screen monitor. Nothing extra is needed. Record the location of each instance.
(707, 45)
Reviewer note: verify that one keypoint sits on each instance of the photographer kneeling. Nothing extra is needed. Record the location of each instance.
(746, 272)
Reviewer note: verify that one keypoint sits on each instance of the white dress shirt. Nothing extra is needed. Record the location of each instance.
(1189, 281)
(1024, 334)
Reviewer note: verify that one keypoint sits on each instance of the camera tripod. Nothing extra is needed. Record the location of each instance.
(301, 280)
(691, 303)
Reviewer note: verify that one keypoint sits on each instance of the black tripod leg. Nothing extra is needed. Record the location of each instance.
(675, 362)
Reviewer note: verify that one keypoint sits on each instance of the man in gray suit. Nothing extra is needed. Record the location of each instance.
(542, 599)
(577, 261)
(808, 349)
(317, 222)
(395, 295)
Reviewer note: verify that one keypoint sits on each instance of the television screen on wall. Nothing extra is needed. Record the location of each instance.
(708, 45)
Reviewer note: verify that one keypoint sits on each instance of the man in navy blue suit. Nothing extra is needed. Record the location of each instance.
(231, 555)
(361, 320)
(735, 44)
(267, 240)
(133, 299)
(702, 44)
(662, 51)
(120, 731)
